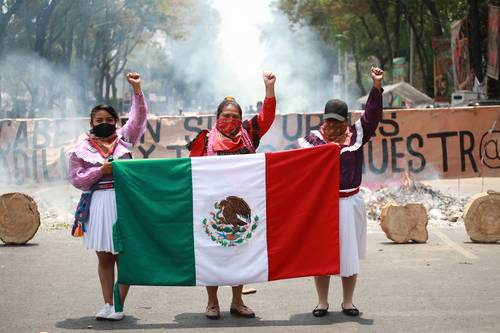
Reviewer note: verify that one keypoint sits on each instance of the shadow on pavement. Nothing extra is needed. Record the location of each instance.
(198, 320)
(391, 243)
(481, 243)
(18, 245)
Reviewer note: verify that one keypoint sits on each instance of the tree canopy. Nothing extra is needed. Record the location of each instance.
(91, 40)
(380, 29)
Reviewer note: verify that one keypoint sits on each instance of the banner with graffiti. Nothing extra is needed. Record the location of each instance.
(462, 75)
(443, 69)
(493, 41)
(437, 143)
(426, 143)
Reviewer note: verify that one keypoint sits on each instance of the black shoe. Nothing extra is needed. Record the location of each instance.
(354, 312)
(319, 312)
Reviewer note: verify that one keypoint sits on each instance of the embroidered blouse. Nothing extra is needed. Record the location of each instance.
(85, 161)
(351, 155)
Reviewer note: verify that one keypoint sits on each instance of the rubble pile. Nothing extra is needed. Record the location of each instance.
(441, 207)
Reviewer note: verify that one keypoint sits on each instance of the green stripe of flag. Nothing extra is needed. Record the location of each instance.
(158, 201)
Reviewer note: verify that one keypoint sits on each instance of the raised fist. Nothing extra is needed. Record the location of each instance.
(376, 73)
(269, 78)
(134, 79)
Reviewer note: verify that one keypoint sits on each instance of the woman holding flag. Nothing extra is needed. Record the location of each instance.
(232, 136)
(90, 170)
(352, 211)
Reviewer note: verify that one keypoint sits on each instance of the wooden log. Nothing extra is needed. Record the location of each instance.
(482, 217)
(19, 218)
(404, 223)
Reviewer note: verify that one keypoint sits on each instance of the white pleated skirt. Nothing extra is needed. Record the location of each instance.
(102, 216)
(352, 217)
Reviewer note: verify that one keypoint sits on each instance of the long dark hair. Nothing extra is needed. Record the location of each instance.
(228, 101)
(108, 108)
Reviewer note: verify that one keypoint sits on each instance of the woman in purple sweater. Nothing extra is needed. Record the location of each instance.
(352, 211)
(90, 170)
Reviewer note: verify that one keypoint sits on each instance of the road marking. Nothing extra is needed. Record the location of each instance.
(454, 245)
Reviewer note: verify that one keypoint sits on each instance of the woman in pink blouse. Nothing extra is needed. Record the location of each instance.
(90, 170)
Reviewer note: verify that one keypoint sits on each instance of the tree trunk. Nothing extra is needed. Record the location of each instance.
(5, 19)
(114, 91)
(359, 80)
(42, 24)
(379, 14)
(437, 28)
(475, 39)
(397, 28)
(69, 48)
(19, 218)
(100, 81)
(426, 65)
(107, 97)
(427, 75)
(378, 52)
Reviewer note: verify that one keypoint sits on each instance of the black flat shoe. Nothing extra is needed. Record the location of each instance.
(320, 312)
(354, 312)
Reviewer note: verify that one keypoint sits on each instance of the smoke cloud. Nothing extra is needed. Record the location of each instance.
(235, 41)
(33, 87)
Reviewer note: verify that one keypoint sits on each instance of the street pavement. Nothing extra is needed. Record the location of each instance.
(448, 284)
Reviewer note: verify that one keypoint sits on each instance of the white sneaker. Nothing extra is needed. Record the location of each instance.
(115, 316)
(104, 312)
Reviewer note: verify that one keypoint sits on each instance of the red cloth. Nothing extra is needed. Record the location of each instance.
(227, 144)
(295, 193)
(264, 121)
(198, 146)
(217, 142)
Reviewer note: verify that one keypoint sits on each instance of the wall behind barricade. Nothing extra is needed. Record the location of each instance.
(426, 143)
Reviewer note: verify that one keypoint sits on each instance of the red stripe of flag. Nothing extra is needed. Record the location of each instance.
(303, 212)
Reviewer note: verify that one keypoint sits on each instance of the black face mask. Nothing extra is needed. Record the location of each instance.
(103, 130)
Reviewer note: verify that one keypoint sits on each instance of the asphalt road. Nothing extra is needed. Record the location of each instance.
(446, 285)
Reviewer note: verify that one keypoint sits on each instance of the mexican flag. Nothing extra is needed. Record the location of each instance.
(227, 220)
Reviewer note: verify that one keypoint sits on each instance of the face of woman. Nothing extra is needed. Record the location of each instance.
(101, 117)
(334, 128)
(229, 121)
(230, 112)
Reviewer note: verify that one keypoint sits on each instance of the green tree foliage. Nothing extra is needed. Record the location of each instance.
(380, 29)
(91, 39)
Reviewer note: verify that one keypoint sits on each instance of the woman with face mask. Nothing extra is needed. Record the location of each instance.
(232, 136)
(90, 170)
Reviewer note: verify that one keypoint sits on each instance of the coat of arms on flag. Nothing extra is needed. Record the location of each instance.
(231, 222)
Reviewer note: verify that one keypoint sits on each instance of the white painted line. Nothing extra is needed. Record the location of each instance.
(453, 245)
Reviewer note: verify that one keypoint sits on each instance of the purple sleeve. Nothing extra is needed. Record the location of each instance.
(135, 126)
(80, 176)
(372, 115)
